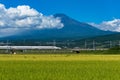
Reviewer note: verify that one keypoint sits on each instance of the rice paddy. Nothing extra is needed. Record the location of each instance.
(59, 67)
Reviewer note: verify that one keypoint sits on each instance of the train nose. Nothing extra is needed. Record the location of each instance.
(57, 48)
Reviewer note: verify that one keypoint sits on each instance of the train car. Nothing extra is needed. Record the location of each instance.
(12, 49)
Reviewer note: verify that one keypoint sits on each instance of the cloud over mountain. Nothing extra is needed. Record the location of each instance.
(113, 25)
(21, 18)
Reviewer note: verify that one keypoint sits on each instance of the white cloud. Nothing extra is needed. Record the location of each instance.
(113, 25)
(14, 20)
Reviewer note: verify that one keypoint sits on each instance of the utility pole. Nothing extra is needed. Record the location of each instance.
(85, 44)
(94, 45)
(68, 44)
(110, 44)
(119, 44)
(7, 43)
(8, 51)
(54, 44)
(24, 42)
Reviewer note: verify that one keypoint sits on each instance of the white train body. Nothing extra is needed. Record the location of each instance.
(28, 47)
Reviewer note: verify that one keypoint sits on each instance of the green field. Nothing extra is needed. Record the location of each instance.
(59, 67)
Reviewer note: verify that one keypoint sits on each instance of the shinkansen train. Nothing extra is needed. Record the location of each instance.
(28, 47)
(13, 48)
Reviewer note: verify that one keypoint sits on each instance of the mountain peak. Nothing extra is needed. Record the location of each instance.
(60, 15)
(65, 19)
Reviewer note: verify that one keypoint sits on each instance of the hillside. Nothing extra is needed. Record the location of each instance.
(110, 37)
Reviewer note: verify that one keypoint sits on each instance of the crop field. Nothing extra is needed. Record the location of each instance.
(59, 67)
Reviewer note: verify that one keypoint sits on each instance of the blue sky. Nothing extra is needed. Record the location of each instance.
(83, 10)
(35, 14)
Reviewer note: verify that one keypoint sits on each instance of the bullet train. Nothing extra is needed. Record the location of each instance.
(13, 49)
(27, 47)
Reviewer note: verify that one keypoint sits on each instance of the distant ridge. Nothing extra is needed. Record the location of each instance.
(110, 37)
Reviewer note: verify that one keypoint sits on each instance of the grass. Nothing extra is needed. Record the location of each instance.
(59, 67)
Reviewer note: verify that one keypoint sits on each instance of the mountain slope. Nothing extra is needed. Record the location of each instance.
(72, 30)
(111, 37)
(81, 29)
